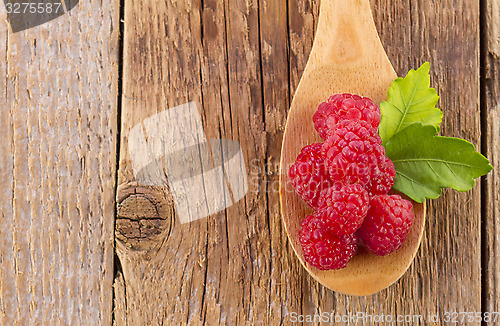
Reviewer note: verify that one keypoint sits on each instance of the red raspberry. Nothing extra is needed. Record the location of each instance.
(343, 210)
(345, 107)
(387, 224)
(322, 249)
(309, 175)
(353, 152)
(382, 179)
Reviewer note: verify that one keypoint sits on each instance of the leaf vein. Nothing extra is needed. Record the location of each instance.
(430, 166)
(434, 160)
(411, 99)
(451, 170)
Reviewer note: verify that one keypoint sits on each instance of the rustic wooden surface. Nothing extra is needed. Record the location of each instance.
(449, 261)
(240, 61)
(58, 95)
(243, 66)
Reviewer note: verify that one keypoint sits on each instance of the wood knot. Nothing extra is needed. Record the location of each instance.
(144, 217)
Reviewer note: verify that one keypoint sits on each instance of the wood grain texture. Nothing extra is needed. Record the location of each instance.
(490, 63)
(161, 70)
(58, 91)
(449, 260)
(241, 62)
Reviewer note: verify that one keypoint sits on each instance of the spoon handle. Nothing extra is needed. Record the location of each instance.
(346, 35)
(353, 5)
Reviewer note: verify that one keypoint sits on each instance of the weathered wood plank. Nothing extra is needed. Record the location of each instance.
(491, 121)
(241, 62)
(163, 270)
(58, 92)
(217, 255)
(446, 274)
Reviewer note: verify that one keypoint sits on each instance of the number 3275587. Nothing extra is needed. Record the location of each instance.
(33, 8)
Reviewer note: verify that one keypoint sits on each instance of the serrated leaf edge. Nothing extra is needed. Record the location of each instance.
(419, 199)
(426, 68)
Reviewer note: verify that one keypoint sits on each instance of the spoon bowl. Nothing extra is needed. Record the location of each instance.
(347, 57)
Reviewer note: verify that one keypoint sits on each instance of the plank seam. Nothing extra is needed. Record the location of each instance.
(202, 36)
(226, 31)
(117, 267)
(267, 172)
(289, 80)
(484, 149)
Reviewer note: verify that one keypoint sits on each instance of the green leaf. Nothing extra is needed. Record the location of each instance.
(425, 163)
(409, 100)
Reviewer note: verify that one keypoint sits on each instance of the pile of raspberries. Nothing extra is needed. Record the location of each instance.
(346, 180)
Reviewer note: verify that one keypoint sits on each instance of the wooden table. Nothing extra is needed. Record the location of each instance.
(83, 243)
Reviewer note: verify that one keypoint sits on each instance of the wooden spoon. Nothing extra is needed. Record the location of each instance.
(347, 56)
